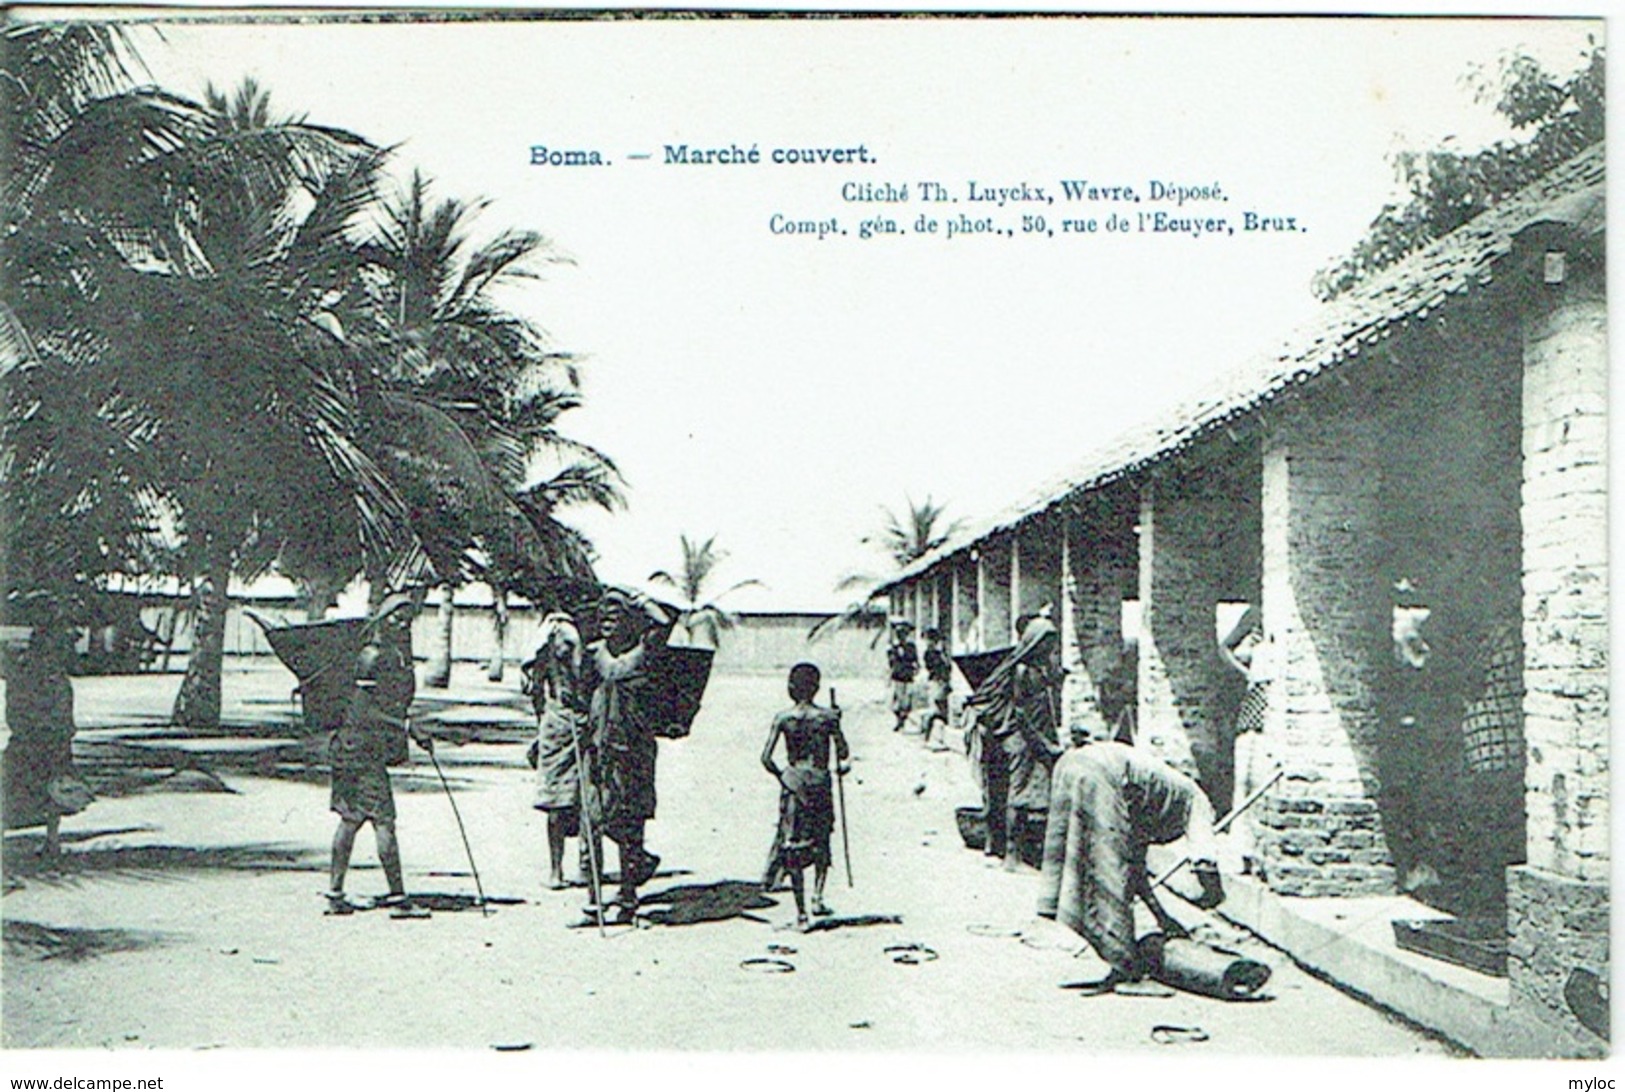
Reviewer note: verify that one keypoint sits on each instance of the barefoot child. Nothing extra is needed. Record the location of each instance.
(806, 809)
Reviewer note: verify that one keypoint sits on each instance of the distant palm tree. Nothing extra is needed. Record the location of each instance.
(905, 538)
(700, 613)
(915, 533)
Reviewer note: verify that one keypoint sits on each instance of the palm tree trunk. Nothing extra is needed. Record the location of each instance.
(499, 632)
(197, 705)
(438, 672)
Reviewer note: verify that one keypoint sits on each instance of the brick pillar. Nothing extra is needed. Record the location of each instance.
(1015, 584)
(997, 617)
(966, 611)
(1558, 902)
(1038, 569)
(1325, 603)
(1183, 714)
(981, 600)
(942, 594)
(1075, 707)
(1100, 569)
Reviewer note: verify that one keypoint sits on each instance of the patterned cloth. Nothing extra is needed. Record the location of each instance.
(806, 820)
(561, 703)
(1254, 704)
(1492, 725)
(623, 737)
(558, 781)
(1110, 802)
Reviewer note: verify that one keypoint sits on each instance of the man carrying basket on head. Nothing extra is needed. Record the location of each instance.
(624, 719)
(372, 737)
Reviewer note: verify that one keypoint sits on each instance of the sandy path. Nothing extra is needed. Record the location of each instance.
(214, 936)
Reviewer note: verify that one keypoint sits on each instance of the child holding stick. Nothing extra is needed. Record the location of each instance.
(806, 805)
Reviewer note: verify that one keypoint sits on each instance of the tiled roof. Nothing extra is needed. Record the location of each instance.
(1409, 290)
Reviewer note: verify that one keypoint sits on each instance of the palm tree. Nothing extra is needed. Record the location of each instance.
(72, 477)
(699, 612)
(268, 411)
(470, 399)
(193, 336)
(170, 265)
(915, 533)
(905, 538)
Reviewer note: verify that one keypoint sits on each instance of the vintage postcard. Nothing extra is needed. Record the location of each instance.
(918, 535)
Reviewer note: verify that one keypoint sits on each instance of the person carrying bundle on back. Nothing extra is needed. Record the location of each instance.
(624, 722)
(806, 804)
(1018, 717)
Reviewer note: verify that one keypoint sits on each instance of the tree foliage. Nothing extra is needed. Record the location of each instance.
(1442, 188)
(219, 329)
(700, 610)
(913, 533)
(906, 537)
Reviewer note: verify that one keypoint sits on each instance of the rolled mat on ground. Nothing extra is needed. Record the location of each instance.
(1206, 969)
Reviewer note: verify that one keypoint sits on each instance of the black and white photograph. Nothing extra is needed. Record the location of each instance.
(787, 535)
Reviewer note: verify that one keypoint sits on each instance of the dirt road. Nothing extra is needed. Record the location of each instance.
(193, 919)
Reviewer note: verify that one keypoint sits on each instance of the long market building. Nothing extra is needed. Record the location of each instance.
(1434, 446)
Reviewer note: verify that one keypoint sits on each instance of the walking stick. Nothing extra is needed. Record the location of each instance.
(458, 815)
(594, 879)
(840, 798)
(1224, 824)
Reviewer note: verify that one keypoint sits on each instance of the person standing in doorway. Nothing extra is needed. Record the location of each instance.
(938, 674)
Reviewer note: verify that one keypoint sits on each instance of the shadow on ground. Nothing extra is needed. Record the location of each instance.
(697, 903)
(21, 861)
(31, 941)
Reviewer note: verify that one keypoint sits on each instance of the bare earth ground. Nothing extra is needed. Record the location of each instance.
(189, 919)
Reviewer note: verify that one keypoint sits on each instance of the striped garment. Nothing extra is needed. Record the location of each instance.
(1108, 802)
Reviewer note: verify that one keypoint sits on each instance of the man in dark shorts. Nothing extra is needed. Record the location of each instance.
(903, 660)
(372, 737)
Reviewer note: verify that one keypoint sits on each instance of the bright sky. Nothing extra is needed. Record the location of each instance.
(778, 390)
